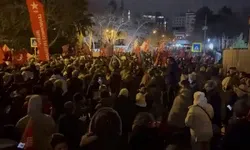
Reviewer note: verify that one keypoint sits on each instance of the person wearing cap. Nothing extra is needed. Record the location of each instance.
(198, 119)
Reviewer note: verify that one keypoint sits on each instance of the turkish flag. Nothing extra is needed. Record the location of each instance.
(19, 57)
(39, 27)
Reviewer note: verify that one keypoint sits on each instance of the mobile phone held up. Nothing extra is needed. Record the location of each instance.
(21, 145)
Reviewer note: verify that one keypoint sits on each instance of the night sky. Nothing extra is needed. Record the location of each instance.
(170, 7)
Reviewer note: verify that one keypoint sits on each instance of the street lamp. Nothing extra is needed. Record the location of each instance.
(154, 32)
(211, 46)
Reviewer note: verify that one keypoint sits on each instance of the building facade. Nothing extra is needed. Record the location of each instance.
(190, 22)
(184, 23)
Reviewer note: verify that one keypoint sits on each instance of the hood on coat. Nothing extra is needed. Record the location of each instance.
(185, 92)
(199, 98)
(35, 105)
(124, 92)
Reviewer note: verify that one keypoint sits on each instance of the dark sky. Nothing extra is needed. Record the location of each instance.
(171, 7)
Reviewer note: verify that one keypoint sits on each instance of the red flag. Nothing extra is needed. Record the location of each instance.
(162, 46)
(39, 28)
(145, 46)
(157, 59)
(2, 57)
(102, 52)
(19, 57)
(137, 52)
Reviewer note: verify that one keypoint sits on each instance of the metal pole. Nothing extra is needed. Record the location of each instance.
(35, 53)
(205, 33)
(205, 29)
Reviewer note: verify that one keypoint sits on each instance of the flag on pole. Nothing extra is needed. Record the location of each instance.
(5, 48)
(19, 57)
(145, 46)
(39, 27)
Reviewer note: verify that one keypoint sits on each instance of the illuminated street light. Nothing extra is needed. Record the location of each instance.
(154, 32)
(211, 46)
(208, 40)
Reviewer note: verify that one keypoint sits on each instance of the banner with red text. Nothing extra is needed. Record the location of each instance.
(39, 27)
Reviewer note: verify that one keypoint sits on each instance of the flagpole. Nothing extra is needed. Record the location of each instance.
(35, 53)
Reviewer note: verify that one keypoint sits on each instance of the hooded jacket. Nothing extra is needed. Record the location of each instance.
(198, 120)
(179, 109)
(43, 126)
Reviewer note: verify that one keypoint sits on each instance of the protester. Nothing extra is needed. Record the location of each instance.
(105, 130)
(36, 127)
(199, 121)
(144, 134)
(58, 142)
(107, 93)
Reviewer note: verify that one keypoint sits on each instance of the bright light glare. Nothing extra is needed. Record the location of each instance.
(211, 46)
(154, 31)
(208, 40)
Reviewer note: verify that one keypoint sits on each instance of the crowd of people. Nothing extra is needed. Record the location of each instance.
(120, 103)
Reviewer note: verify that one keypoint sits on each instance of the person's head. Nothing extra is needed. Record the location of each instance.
(78, 98)
(58, 84)
(241, 90)
(48, 86)
(104, 94)
(210, 85)
(202, 69)
(199, 98)
(58, 142)
(192, 77)
(106, 123)
(242, 75)
(232, 71)
(69, 107)
(184, 81)
(241, 108)
(75, 73)
(184, 84)
(140, 100)
(170, 60)
(56, 71)
(143, 119)
(124, 92)
(35, 105)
